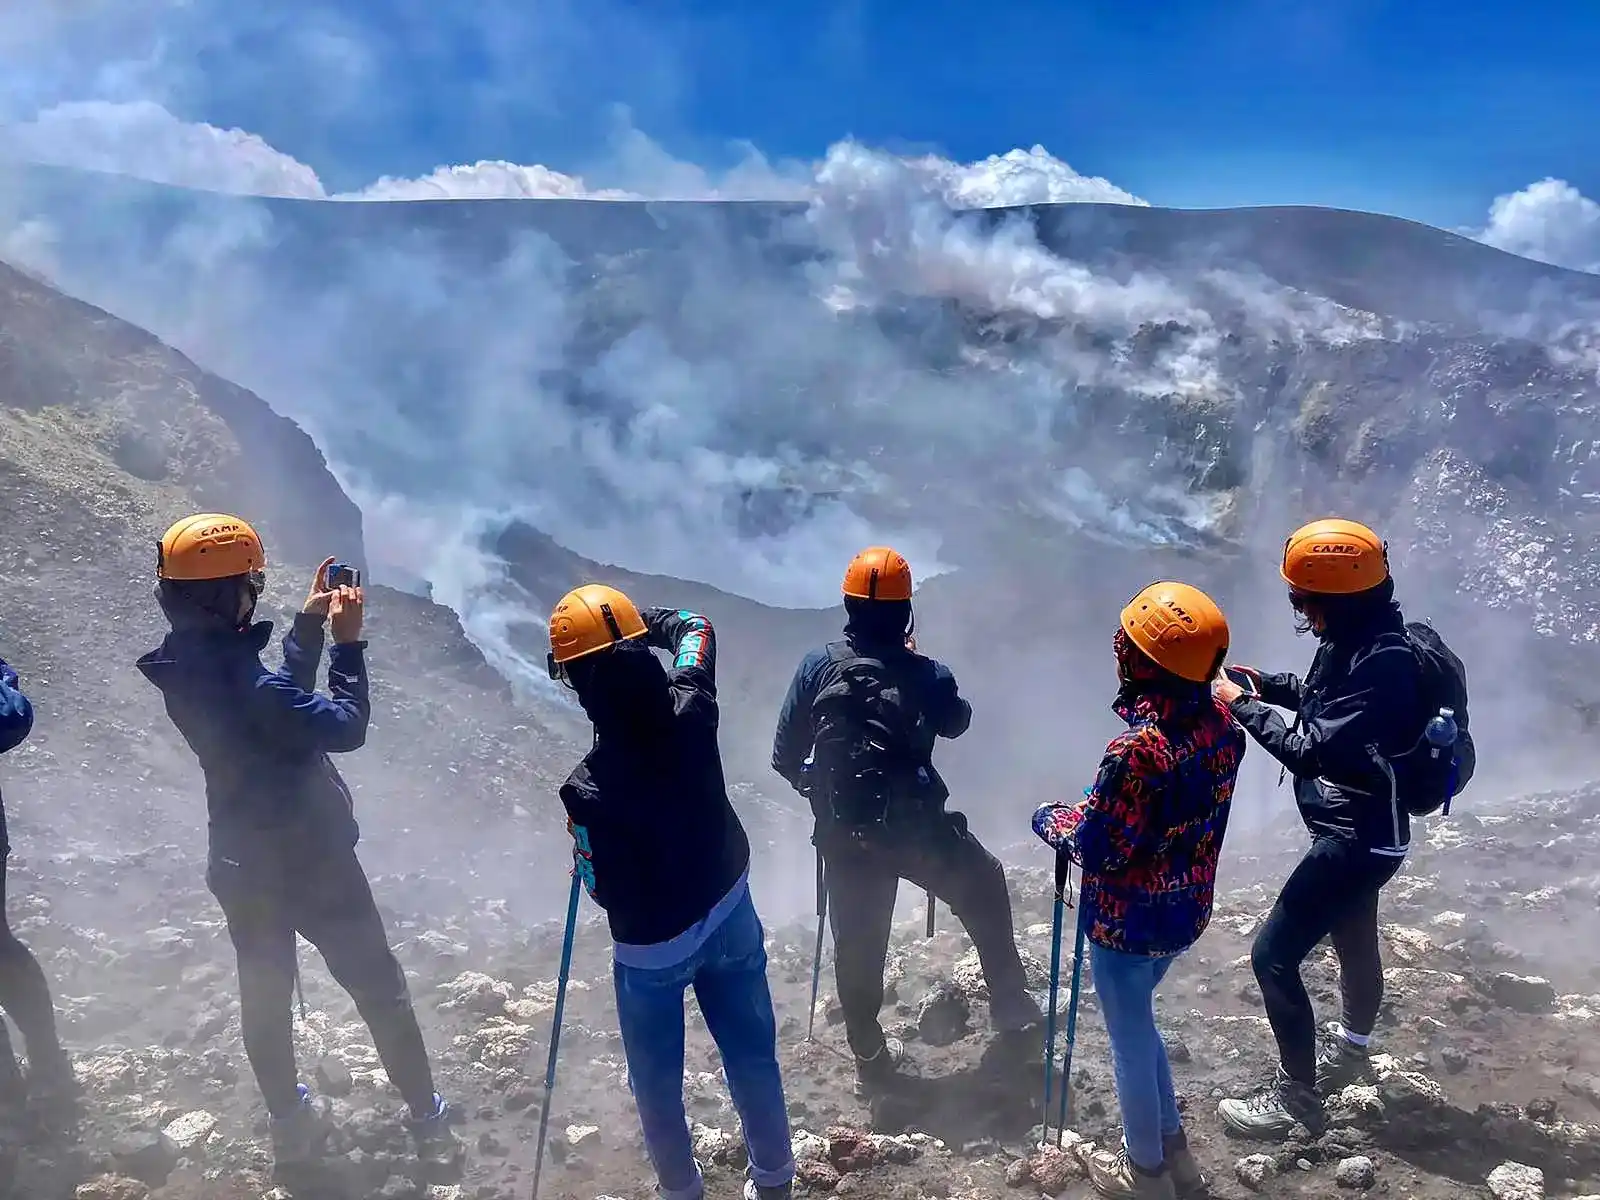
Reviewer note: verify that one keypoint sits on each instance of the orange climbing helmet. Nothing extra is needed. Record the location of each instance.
(878, 573)
(1179, 628)
(1334, 557)
(588, 619)
(209, 546)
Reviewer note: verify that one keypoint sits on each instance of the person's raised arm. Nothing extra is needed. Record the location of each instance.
(334, 723)
(689, 638)
(303, 643)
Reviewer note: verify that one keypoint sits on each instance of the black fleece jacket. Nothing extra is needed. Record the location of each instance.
(1361, 696)
(657, 841)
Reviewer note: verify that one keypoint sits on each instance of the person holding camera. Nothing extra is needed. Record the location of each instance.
(1355, 750)
(24, 993)
(282, 825)
(660, 849)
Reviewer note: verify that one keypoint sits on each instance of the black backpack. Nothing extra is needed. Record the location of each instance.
(867, 764)
(1425, 783)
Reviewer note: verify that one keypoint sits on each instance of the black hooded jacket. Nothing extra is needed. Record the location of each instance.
(657, 840)
(1362, 694)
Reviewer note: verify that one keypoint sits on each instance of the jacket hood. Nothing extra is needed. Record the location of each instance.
(182, 649)
(1138, 705)
(1148, 692)
(1359, 616)
(205, 603)
(624, 690)
(877, 623)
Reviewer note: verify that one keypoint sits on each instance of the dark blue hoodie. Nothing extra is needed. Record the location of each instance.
(16, 722)
(263, 737)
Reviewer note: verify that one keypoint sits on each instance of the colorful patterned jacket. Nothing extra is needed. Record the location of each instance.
(1150, 830)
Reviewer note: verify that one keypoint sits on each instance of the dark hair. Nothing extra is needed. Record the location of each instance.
(1340, 612)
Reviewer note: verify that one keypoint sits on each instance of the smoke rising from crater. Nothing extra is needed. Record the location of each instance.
(737, 396)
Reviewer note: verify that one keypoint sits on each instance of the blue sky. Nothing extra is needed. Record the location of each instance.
(1428, 110)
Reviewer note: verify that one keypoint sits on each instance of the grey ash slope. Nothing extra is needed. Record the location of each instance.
(106, 436)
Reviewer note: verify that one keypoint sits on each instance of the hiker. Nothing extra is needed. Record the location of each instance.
(1147, 835)
(661, 850)
(282, 825)
(24, 994)
(1358, 707)
(855, 736)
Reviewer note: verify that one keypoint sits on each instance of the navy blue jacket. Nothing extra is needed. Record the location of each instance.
(263, 737)
(926, 681)
(16, 722)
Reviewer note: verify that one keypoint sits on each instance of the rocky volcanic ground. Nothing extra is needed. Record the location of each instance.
(1488, 1081)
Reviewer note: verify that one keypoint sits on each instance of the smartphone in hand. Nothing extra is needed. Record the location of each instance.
(343, 575)
(1245, 679)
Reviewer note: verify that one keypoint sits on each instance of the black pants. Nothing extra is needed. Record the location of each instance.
(25, 996)
(329, 902)
(1332, 893)
(862, 879)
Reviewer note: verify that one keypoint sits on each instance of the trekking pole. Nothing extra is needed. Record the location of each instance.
(555, 1027)
(930, 912)
(1072, 1025)
(816, 951)
(1063, 867)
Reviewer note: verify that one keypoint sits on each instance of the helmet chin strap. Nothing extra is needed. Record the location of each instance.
(252, 588)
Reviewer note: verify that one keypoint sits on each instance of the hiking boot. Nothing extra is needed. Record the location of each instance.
(782, 1191)
(1340, 1062)
(1187, 1177)
(299, 1136)
(1272, 1113)
(438, 1148)
(880, 1069)
(1114, 1176)
(1016, 1012)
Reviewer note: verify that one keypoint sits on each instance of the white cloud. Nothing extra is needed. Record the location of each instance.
(1550, 221)
(486, 181)
(145, 140)
(1014, 178)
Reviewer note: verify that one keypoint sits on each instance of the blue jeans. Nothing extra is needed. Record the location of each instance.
(729, 977)
(1126, 984)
